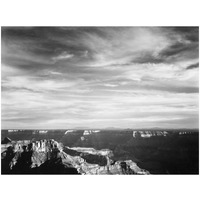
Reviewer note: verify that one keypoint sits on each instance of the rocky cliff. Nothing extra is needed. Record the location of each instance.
(51, 157)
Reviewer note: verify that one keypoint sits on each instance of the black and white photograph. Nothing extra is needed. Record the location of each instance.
(100, 100)
(91, 89)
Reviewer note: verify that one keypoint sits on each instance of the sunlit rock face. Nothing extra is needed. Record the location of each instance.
(86, 132)
(10, 131)
(184, 132)
(89, 132)
(148, 134)
(48, 156)
(69, 131)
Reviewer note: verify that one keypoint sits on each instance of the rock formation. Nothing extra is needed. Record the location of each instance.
(48, 157)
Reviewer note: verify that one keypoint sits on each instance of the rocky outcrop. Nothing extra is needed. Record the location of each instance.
(110, 167)
(89, 132)
(48, 157)
(148, 134)
(34, 157)
(6, 140)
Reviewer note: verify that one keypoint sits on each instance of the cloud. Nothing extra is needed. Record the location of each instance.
(60, 77)
(193, 66)
(55, 73)
(110, 85)
(63, 56)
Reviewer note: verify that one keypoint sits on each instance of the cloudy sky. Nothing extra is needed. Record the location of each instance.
(98, 77)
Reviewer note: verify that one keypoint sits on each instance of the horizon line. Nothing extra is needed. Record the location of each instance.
(87, 128)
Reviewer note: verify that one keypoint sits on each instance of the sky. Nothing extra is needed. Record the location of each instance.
(99, 77)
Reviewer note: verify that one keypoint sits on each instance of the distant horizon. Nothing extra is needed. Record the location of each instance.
(100, 77)
(87, 128)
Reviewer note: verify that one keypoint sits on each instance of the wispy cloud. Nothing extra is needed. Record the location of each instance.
(63, 56)
(193, 66)
(59, 77)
